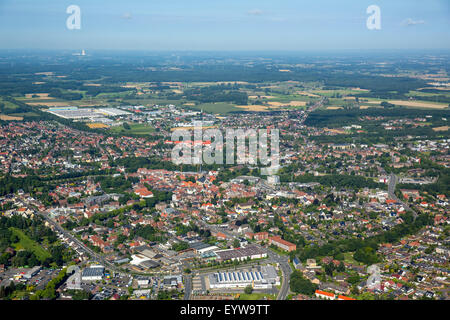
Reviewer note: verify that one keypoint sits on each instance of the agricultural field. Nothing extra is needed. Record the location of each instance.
(9, 118)
(217, 108)
(419, 104)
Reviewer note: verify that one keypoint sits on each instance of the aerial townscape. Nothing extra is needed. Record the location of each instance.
(94, 207)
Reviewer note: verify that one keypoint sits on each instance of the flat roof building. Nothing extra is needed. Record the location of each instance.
(249, 252)
(93, 273)
(264, 278)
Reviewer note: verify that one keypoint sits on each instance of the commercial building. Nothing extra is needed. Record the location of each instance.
(201, 247)
(32, 272)
(264, 278)
(142, 261)
(93, 273)
(240, 254)
(175, 281)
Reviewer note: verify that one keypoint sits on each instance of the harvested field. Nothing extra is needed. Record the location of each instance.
(97, 125)
(444, 128)
(44, 73)
(253, 107)
(297, 103)
(92, 84)
(49, 104)
(304, 93)
(9, 118)
(334, 108)
(277, 104)
(40, 96)
(373, 102)
(418, 104)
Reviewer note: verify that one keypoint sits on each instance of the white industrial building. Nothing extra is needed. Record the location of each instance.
(93, 273)
(32, 272)
(265, 278)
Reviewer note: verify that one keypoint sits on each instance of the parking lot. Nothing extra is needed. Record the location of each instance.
(39, 280)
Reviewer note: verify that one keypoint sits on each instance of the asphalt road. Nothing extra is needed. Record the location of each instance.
(187, 287)
(393, 179)
(285, 270)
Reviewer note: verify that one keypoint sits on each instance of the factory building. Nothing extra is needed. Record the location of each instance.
(264, 278)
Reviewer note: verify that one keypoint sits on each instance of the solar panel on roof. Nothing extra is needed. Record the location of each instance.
(239, 276)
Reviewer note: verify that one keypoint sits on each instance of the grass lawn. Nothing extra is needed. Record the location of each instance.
(26, 243)
(135, 129)
(256, 296)
(348, 258)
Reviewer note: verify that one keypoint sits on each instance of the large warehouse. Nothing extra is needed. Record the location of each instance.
(249, 252)
(93, 273)
(264, 278)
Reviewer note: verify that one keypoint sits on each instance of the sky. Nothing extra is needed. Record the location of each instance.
(281, 25)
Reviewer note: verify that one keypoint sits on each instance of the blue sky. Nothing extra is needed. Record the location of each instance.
(225, 25)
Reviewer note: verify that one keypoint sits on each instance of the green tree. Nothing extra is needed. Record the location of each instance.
(248, 289)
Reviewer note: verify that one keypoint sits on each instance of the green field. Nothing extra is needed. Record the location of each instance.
(348, 258)
(148, 102)
(288, 98)
(26, 114)
(8, 105)
(217, 108)
(30, 245)
(135, 129)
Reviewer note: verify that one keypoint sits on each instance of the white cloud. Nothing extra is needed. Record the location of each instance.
(410, 22)
(127, 16)
(255, 12)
